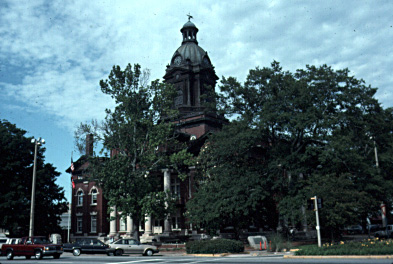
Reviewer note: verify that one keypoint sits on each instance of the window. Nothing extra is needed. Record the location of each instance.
(119, 242)
(80, 198)
(174, 223)
(93, 224)
(79, 222)
(175, 187)
(94, 196)
(123, 224)
(132, 242)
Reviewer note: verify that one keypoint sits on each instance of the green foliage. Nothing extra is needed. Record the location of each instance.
(365, 247)
(214, 246)
(16, 171)
(314, 129)
(142, 141)
(277, 243)
(230, 189)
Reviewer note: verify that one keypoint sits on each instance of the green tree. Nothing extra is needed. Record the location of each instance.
(142, 141)
(230, 189)
(315, 123)
(16, 171)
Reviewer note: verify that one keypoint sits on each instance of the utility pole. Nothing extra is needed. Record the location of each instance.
(36, 143)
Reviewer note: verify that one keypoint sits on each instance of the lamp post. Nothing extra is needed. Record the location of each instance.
(36, 143)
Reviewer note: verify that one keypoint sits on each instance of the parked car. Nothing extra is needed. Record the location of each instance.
(3, 240)
(9, 241)
(37, 246)
(354, 230)
(131, 246)
(384, 232)
(86, 245)
(14, 241)
(373, 228)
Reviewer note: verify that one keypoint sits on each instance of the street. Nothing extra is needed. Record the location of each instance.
(68, 258)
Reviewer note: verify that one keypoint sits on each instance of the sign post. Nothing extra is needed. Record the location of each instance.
(318, 228)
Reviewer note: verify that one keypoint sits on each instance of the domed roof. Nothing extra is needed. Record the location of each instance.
(189, 24)
(190, 51)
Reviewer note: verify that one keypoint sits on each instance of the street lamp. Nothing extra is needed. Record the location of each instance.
(36, 142)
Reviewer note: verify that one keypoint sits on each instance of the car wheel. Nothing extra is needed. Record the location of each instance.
(10, 255)
(118, 252)
(76, 252)
(56, 256)
(149, 252)
(38, 254)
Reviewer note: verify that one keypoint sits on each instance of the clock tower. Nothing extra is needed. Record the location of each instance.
(192, 74)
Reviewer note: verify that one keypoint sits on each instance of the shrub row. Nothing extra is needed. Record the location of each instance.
(214, 246)
(365, 247)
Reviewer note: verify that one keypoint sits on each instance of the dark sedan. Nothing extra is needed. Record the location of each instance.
(86, 245)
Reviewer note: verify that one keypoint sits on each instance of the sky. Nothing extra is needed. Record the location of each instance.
(54, 53)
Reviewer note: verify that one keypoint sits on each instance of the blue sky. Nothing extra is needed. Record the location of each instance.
(54, 53)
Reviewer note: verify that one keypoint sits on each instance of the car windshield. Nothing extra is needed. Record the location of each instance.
(41, 240)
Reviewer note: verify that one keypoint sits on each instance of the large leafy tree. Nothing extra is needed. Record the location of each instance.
(142, 140)
(230, 189)
(316, 126)
(16, 171)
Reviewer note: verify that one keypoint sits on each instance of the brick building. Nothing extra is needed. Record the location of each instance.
(191, 72)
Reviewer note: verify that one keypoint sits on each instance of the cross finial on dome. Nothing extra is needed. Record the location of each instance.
(189, 16)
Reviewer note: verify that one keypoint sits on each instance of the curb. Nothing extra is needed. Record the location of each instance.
(341, 257)
(209, 255)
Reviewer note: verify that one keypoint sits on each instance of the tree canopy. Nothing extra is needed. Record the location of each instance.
(316, 129)
(142, 139)
(16, 172)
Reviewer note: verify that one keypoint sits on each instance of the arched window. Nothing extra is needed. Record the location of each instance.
(93, 193)
(79, 195)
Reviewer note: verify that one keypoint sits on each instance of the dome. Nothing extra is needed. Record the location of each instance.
(190, 51)
(189, 24)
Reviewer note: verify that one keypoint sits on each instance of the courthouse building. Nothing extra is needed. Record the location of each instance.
(191, 72)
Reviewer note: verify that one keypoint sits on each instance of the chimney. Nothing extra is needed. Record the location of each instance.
(89, 144)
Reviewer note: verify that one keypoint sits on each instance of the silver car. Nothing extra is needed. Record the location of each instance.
(131, 246)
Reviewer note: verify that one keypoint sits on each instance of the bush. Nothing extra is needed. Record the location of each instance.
(365, 247)
(278, 243)
(214, 246)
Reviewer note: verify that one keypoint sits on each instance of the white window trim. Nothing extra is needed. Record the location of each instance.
(77, 197)
(92, 215)
(79, 216)
(96, 194)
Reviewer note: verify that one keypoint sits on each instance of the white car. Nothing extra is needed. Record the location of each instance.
(131, 246)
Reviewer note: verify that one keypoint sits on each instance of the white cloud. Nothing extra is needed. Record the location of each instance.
(61, 49)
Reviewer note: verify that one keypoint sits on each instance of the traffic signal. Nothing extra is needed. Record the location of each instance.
(311, 203)
(320, 203)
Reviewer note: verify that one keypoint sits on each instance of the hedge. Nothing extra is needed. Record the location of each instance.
(214, 246)
(364, 247)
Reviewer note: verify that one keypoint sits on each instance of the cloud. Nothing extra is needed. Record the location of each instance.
(55, 52)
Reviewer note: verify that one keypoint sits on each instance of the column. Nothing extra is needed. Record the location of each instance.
(147, 225)
(167, 189)
(130, 226)
(112, 226)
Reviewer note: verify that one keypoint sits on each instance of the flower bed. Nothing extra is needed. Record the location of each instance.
(364, 247)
